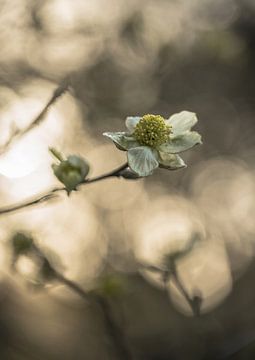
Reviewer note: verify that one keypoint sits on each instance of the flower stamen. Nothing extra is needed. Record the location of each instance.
(152, 130)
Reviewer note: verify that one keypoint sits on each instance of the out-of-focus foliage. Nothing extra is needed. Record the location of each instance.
(21, 244)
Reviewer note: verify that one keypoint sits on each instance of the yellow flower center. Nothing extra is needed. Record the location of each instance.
(152, 130)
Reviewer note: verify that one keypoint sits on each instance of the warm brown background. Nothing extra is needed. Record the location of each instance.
(131, 58)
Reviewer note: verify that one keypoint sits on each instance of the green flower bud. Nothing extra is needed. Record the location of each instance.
(71, 172)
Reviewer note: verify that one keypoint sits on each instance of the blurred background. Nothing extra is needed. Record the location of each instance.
(126, 58)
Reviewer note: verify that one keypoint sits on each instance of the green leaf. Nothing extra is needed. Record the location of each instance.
(171, 161)
(180, 143)
(142, 160)
(131, 122)
(122, 140)
(182, 122)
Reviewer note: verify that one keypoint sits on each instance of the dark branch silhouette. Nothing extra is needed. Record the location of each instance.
(18, 133)
(114, 331)
(52, 194)
(169, 272)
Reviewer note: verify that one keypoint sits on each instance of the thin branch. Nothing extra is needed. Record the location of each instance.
(113, 330)
(73, 286)
(191, 301)
(171, 273)
(18, 133)
(52, 194)
(30, 202)
(116, 172)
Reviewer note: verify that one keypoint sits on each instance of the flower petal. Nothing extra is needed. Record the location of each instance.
(131, 122)
(181, 143)
(182, 122)
(142, 160)
(171, 161)
(122, 140)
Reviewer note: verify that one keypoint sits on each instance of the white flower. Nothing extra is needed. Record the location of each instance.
(152, 141)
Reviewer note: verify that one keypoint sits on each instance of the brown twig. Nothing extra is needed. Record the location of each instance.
(30, 202)
(18, 133)
(113, 330)
(193, 302)
(171, 274)
(73, 286)
(52, 194)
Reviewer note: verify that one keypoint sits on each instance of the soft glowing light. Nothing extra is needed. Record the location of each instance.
(114, 193)
(205, 270)
(167, 226)
(26, 266)
(28, 153)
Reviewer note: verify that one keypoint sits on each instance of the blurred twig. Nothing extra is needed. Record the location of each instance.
(52, 194)
(194, 302)
(18, 133)
(30, 202)
(169, 272)
(172, 275)
(113, 330)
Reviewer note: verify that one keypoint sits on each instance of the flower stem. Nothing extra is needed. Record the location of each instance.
(52, 194)
(114, 331)
(113, 173)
